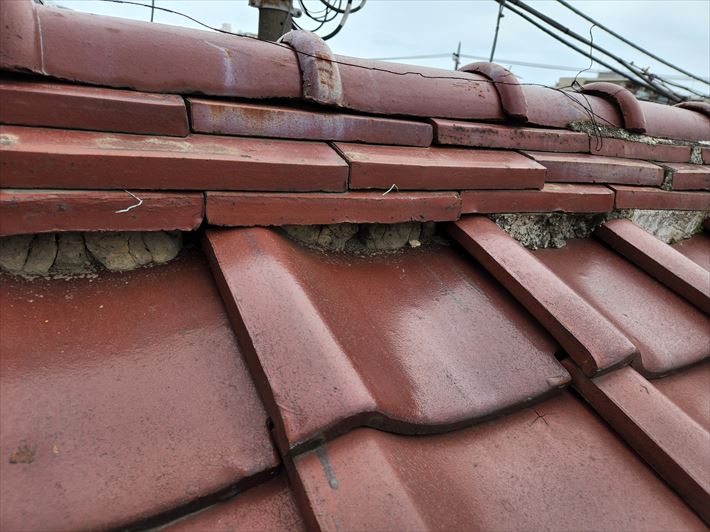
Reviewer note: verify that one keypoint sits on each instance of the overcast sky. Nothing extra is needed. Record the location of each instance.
(676, 30)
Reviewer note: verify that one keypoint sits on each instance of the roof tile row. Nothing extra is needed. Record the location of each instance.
(673, 443)
(53, 42)
(552, 466)
(424, 341)
(25, 211)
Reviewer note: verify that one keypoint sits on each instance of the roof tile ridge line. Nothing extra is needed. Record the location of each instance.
(320, 72)
(643, 443)
(566, 337)
(631, 111)
(682, 276)
(696, 106)
(512, 97)
(170, 516)
(254, 363)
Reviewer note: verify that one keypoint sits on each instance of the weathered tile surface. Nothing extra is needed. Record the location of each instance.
(32, 103)
(590, 338)
(668, 331)
(269, 507)
(438, 168)
(639, 150)
(659, 260)
(259, 120)
(42, 211)
(460, 133)
(554, 197)
(418, 341)
(552, 466)
(654, 198)
(582, 168)
(55, 158)
(125, 396)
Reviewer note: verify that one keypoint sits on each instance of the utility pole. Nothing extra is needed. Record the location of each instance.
(274, 18)
(457, 56)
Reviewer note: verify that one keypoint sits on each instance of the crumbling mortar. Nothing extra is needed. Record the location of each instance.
(606, 131)
(71, 255)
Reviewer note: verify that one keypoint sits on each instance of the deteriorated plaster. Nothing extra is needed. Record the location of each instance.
(61, 255)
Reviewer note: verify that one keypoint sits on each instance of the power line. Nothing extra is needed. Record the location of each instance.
(637, 47)
(329, 13)
(495, 35)
(643, 79)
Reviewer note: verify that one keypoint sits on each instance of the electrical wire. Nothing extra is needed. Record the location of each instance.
(640, 79)
(495, 35)
(353, 10)
(650, 80)
(635, 46)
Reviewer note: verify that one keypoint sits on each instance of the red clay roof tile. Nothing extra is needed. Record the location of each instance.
(554, 197)
(581, 168)
(659, 260)
(696, 248)
(675, 122)
(640, 150)
(396, 89)
(668, 331)
(513, 138)
(512, 97)
(652, 198)
(258, 120)
(129, 398)
(254, 208)
(665, 436)
(421, 341)
(557, 108)
(690, 176)
(70, 45)
(150, 57)
(269, 506)
(628, 105)
(438, 168)
(589, 337)
(33, 103)
(688, 389)
(54, 158)
(46, 211)
(555, 466)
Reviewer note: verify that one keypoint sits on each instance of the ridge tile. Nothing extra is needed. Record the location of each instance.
(438, 168)
(610, 147)
(255, 208)
(461, 133)
(260, 120)
(47, 211)
(553, 197)
(63, 105)
(654, 198)
(584, 168)
(56, 158)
